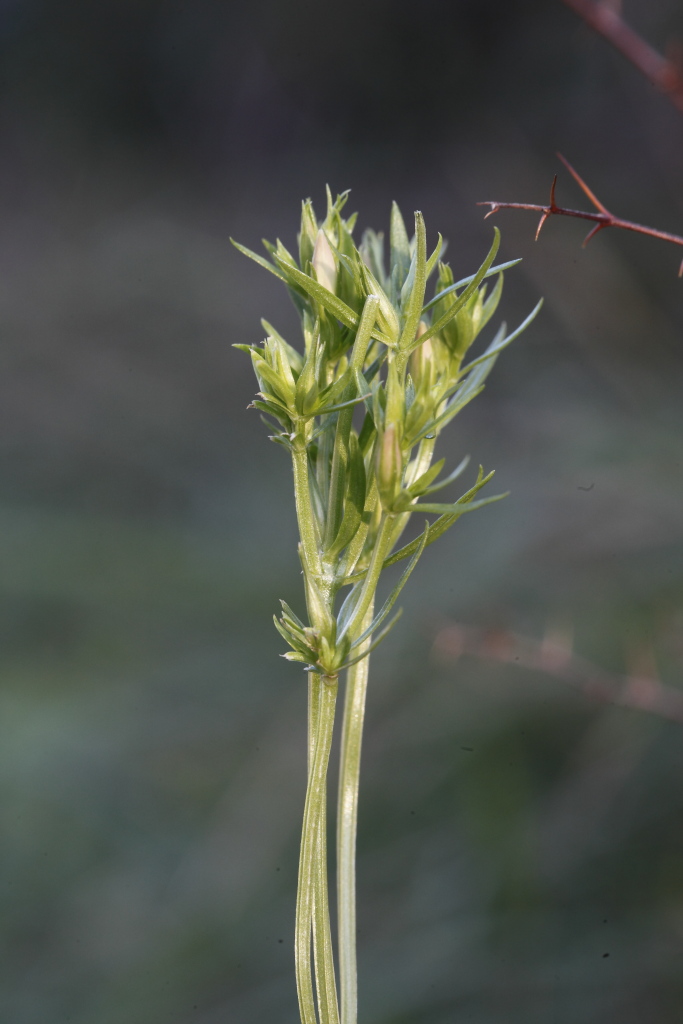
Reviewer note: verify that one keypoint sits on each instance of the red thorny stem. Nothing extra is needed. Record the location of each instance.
(602, 218)
(605, 17)
(640, 690)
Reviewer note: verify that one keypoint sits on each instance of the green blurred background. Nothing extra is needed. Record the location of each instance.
(512, 833)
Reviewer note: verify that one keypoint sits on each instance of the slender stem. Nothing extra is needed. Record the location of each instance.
(367, 594)
(304, 511)
(325, 982)
(320, 918)
(347, 824)
(663, 73)
(421, 463)
(345, 419)
(324, 695)
(555, 657)
(602, 219)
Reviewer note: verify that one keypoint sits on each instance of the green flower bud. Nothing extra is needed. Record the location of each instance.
(308, 234)
(396, 400)
(422, 367)
(389, 466)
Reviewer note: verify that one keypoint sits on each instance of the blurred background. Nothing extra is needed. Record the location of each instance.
(521, 846)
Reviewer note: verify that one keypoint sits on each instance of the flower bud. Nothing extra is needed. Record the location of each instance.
(422, 361)
(324, 263)
(308, 234)
(389, 466)
(396, 399)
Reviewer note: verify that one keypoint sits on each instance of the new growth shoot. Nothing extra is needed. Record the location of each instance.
(382, 372)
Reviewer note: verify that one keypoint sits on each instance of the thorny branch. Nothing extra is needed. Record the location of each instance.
(602, 218)
(641, 691)
(605, 18)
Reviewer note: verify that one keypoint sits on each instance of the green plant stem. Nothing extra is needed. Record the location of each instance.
(422, 462)
(325, 982)
(347, 825)
(323, 698)
(304, 511)
(379, 552)
(326, 989)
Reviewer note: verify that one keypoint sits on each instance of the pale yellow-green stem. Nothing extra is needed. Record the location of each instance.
(312, 910)
(347, 826)
(325, 981)
(379, 552)
(323, 698)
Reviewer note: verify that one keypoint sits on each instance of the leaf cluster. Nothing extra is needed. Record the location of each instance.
(382, 372)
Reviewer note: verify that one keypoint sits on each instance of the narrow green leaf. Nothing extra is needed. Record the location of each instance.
(305, 661)
(372, 253)
(290, 614)
(467, 280)
(273, 410)
(463, 397)
(422, 483)
(282, 439)
(342, 405)
(292, 640)
(412, 309)
(296, 360)
(307, 382)
(348, 607)
(399, 247)
(467, 294)
(490, 306)
(498, 344)
(280, 387)
(326, 298)
(436, 529)
(341, 452)
(393, 596)
(340, 458)
(355, 499)
(261, 260)
(364, 334)
(386, 314)
(456, 508)
(332, 303)
(432, 261)
(279, 251)
(459, 469)
(375, 643)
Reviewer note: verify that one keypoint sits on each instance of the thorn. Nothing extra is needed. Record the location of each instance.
(494, 208)
(553, 204)
(582, 184)
(544, 217)
(592, 233)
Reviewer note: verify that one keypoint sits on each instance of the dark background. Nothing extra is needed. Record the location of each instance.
(512, 833)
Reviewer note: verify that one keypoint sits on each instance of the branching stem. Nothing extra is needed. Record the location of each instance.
(606, 19)
(601, 217)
